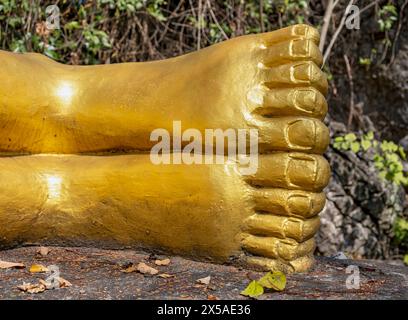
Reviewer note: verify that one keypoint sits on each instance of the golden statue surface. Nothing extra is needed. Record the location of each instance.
(75, 167)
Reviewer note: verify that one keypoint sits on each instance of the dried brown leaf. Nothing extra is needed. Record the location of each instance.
(43, 251)
(129, 269)
(8, 265)
(164, 262)
(205, 280)
(166, 275)
(63, 283)
(145, 269)
(32, 288)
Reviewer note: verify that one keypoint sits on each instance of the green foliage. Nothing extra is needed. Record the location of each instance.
(154, 9)
(387, 17)
(328, 73)
(295, 10)
(272, 280)
(123, 5)
(86, 27)
(401, 230)
(130, 30)
(95, 40)
(364, 61)
(406, 259)
(387, 157)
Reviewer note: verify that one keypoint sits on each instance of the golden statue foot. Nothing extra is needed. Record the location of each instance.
(75, 192)
(203, 211)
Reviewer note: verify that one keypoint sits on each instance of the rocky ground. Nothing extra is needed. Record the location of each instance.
(98, 274)
(361, 208)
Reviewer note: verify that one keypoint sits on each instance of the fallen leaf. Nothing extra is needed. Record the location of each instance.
(63, 283)
(46, 284)
(164, 262)
(273, 280)
(8, 265)
(166, 275)
(43, 251)
(37, 268)
(212, 297)
(253, 290)
(32, 288)
(142, 268)
(145, 269)
(205, 280)
(129, 269)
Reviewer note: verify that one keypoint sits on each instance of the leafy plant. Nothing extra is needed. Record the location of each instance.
(401, 234)
(401, 230)
(387, 157)
(387, 16)
(294, 11)
(154, 8)
(272, 280)
(364, 61)
(95, 40)
(123, 5)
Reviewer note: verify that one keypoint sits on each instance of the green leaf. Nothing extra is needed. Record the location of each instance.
(366, 144)
(370, 135)
(355, 147)
(350, 137)
(275, 280)
(345, 145)
(253, 290)
(406, 259)
(72, 25)
(402, 153)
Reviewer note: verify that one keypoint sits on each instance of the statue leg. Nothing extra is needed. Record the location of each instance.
(202, 211)
(270, 82)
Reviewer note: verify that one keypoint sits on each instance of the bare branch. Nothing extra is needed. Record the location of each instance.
(326, 22)
(351, 86)
(216, 21)
(337, 33)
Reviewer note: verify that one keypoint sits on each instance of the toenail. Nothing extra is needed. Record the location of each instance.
(300, 205)
(302, 170)
(306, 72)
(301, 134)
(300, 30)
(307, 31)
(306, 100)
(293, 229)
(299, 48)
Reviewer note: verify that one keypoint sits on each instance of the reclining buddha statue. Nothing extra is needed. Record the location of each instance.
(76, 168)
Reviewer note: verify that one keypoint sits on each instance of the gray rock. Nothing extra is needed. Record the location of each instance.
(361, 208)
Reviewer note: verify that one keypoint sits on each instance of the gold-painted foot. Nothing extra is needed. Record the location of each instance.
(71, 190)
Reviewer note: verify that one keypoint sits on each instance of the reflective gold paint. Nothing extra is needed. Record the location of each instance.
(60, 124)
